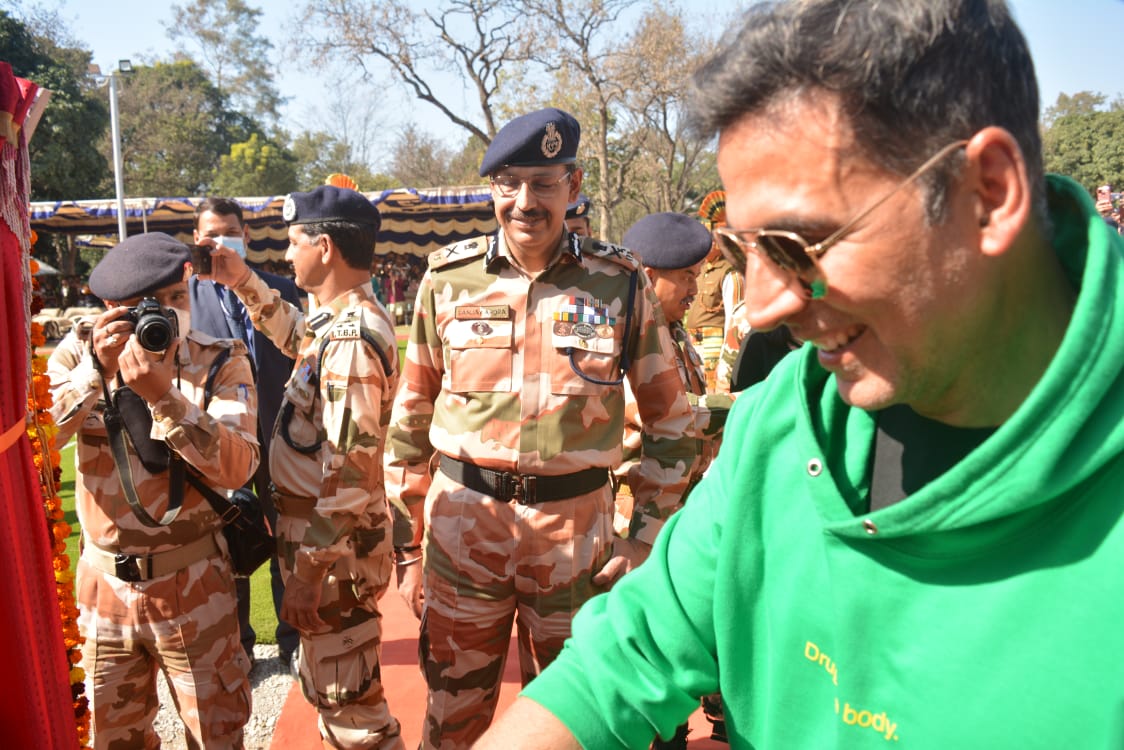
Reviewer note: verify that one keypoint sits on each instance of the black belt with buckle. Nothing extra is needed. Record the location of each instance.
(525, 489)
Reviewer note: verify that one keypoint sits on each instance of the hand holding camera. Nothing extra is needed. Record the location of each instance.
(149, 327)
(220, 259)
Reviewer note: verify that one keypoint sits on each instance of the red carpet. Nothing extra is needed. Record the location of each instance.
(296, 726)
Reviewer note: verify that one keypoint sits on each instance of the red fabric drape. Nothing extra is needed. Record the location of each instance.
(35, 702)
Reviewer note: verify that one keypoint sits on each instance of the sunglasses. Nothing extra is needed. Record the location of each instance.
(796, 257)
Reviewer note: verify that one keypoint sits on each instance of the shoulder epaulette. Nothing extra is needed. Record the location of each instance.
(348, 325)
(457, 252)
(616, 253)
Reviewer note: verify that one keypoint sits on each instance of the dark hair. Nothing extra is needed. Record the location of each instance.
(355, 241)
(912, 76)
(220, 206)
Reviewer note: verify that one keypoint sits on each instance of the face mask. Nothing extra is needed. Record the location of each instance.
(234, 243)
(183, 319)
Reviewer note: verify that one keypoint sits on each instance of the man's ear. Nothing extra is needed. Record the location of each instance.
(997, 173)
(575, 184)
(328, 248)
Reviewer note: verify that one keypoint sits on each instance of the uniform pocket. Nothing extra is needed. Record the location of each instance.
(481, 355)
(580, 356)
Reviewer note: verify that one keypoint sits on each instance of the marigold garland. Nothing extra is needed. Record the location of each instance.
(41, 430)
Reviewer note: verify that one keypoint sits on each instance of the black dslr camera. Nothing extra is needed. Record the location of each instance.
(154, 326)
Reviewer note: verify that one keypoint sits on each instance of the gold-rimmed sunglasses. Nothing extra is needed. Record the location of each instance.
(795, 255)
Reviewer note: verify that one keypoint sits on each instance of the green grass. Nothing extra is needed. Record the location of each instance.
(262, 617)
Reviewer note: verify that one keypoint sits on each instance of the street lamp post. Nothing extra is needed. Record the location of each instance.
(123, 66)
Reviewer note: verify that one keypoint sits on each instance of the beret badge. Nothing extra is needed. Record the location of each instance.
(551, 142)
(289, 210)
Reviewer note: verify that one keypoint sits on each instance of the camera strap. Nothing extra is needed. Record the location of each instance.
(122, 418)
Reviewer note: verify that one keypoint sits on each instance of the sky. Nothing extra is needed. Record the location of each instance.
(1074, 44)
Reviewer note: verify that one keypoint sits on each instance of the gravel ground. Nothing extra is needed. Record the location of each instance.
(271, 683)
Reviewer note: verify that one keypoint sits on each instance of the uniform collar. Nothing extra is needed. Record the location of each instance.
(568, 250)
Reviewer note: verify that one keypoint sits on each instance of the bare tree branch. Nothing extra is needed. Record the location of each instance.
(475, 38)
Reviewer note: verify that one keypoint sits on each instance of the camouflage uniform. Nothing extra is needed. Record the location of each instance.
(326, 463)
(486, 381)
(720, 289)
(178, 614)
(731, 345)
(710, 412)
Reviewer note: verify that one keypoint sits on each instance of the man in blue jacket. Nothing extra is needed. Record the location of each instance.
(913, 534)
(217, 311)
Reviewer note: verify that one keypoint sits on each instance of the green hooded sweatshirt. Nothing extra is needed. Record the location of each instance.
(984, 611)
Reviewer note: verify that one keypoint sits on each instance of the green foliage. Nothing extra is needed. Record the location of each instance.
(1084, 142)
(175, 127)
(256, 167)
(65, 163)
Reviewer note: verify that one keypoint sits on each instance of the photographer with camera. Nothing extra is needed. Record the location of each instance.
(156, 406)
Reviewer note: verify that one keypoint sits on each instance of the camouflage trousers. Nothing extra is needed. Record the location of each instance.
(183, 623)
(339, 670)
(485, 563)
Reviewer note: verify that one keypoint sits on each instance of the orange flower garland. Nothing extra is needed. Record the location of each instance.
(41, 430)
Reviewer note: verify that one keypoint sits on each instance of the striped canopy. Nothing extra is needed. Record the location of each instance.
(414, 221)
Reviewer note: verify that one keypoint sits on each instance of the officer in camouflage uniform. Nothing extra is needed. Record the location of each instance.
(720, 289)
(325, 458)
(672, 248)
(513, 389)
(157, 596)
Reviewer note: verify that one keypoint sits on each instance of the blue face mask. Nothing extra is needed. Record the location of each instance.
(234, 243)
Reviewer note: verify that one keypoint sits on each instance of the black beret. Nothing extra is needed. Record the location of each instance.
(668, 241)
(138, 266)
(329, 203)
(549, 136)
(579, 208)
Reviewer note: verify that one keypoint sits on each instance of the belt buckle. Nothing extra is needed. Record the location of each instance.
(127, 568)
(523, 488)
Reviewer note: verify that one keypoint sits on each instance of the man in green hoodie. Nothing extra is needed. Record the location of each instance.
(912, 536)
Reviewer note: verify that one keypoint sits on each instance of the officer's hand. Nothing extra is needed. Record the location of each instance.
(627, 554)
(300, 604)
(410, 586)
(149, 374)
(109, 336)
(227, 266)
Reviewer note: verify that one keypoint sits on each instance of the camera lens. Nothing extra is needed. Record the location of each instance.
(155, 327)
(154, 332)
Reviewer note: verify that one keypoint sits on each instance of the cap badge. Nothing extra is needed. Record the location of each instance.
(551, 142)
(289, 210)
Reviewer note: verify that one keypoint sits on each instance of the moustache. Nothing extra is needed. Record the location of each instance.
(518, 215)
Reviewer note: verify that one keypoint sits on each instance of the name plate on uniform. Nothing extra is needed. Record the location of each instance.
(482, 312)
